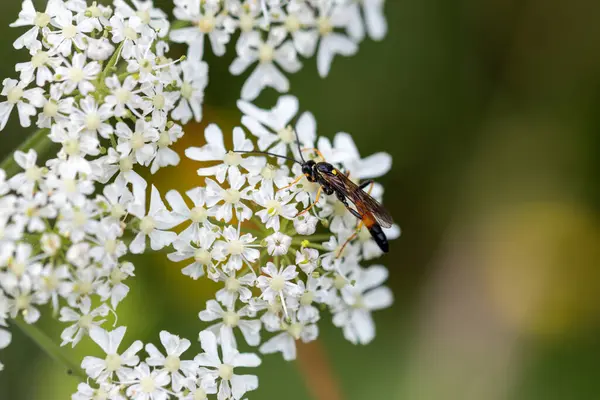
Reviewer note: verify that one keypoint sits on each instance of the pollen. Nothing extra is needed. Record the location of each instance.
(266, 53)
(39, 59)
(14, 95)
(33, 174)
(92, 121)
(231, 319)
(198, 214)
(232, 196)
(113, 362)
(287, 135)
(207, 24)
(226, 372)
(232, 159)
(172, 363)
(202, 256)
(235, 247)
(232, 285)
(76, 74)
(147, 225)
(69, 31)
(277, 283)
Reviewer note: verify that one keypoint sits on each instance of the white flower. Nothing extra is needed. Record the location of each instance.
(99, 49)
(82, 320)
(305, 224)
(148, 14)
(206, 20)
(93, 117)
(123, 97)
(200, 388)
(172, 363)
(38, 20)
(197, 215)
(114, 363)
(214, 150)
(374, 19)
(56, 109)
(39, 66)
(200, 252)
(23, 299)
(285, 342)
(299, 14)
(32, 211)
(275, 50)
(275, 206)
(79, 74)
(166, 156)
(75, 148)
(25, 100)
(235, 287)
(69, 33)
(238, 248)
(128, 32)
(21, 268)
(359, 300)
(307, 259)
(152, 224)
(69, 188)
(276, 282)
(141, 142)
(332, 42)
(54, 283)
(230, 319)
(158, 99)
(232, 198)
(146, 384)
(373, 166)
(315, 290)
(231, 385)
(278, 244)
(24, 182)
(114, 288)
(105, 390)
(273, 129)
(191, 87)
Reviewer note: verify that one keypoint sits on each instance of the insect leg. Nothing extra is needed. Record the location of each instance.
(355, 213)
(291, 184)
(316, 151)
(351, 238)
(344, 201)
(313, 204)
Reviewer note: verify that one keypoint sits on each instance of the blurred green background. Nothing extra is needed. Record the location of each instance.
(491, 110)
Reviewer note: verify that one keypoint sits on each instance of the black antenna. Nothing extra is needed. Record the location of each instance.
(267, 154)
(299, 149)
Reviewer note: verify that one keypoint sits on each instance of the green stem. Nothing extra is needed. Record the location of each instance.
(110, 67)
(49, 347)
(38, 141)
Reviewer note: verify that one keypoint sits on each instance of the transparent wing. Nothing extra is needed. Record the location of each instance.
(362, 200)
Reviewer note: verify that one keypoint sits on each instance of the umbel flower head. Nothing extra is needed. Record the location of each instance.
(101, 85)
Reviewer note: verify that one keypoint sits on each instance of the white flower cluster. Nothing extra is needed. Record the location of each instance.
(244, 230)
(273, 34)
(101, 85)
(93, 65)
(121, 375)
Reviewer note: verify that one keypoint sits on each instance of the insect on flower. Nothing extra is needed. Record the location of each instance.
(333, 181)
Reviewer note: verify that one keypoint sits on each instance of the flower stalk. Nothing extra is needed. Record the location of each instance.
(48, 346)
